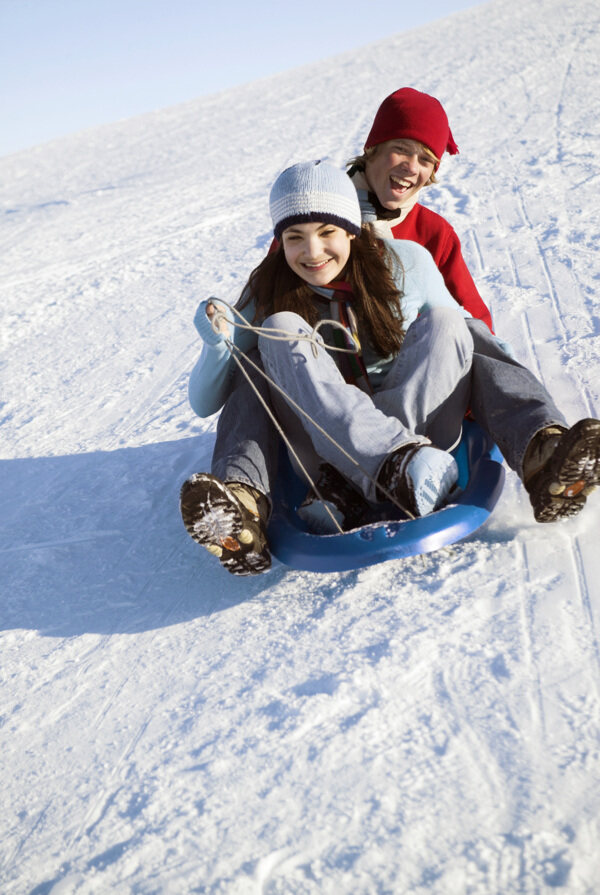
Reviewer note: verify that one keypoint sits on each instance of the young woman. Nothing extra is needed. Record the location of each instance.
(396, 409)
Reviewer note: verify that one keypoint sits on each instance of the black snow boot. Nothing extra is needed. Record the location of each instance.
(343, 500)
(561, 469)
(230, 520)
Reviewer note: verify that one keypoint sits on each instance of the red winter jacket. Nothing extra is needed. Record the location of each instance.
(434, 232)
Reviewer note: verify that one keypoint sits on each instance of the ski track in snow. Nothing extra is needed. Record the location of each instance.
(429, 725)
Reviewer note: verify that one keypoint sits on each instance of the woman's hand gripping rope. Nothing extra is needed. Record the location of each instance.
(214, 317)
(212, 322)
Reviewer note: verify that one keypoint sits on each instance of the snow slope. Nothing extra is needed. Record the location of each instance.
(422, 726)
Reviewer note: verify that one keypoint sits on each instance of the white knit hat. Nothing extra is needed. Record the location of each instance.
(314, 191)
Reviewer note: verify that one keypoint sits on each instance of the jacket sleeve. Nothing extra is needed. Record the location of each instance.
(212, 376)
(429, 229)
(420, 281)
(459, 281)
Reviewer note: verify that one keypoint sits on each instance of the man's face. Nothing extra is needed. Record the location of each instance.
(397, 171)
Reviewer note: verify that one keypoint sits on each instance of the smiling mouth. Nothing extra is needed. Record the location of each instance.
(319, 266)
(400, 184)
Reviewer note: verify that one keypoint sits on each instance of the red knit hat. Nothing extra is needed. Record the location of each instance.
(411, 115)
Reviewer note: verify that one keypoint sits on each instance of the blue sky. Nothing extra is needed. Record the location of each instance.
(66, 65)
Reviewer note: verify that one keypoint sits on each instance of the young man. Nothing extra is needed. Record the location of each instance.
(402, 153)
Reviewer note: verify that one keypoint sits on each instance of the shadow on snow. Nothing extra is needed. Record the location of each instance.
(94, 543)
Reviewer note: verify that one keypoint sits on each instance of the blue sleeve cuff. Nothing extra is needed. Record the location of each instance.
(204, 325)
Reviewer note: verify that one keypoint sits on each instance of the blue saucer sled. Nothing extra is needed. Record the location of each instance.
(480, 482)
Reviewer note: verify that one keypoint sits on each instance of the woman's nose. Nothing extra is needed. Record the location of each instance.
(313, 246)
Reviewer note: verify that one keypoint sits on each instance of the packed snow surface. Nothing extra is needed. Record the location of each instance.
(430, 725)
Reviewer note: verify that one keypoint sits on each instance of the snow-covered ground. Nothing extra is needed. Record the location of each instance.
(430, 725)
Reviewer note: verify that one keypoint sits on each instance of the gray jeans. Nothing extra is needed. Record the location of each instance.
(505, 398)
(423, 397)
(247, 444)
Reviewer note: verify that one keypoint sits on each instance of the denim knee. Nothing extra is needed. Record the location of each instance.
(283, 322)
(287, 321)
(450, 327)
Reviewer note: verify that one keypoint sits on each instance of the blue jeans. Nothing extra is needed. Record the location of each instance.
(505, 398)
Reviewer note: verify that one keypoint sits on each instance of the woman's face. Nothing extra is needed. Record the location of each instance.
(318, 253)
(397, 171)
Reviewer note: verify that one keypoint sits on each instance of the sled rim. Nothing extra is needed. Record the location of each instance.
(481, 474)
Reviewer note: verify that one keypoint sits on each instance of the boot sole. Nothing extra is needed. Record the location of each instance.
(561, 490)
(219, 522)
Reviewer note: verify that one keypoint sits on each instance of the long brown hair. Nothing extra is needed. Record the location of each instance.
(370, 272)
